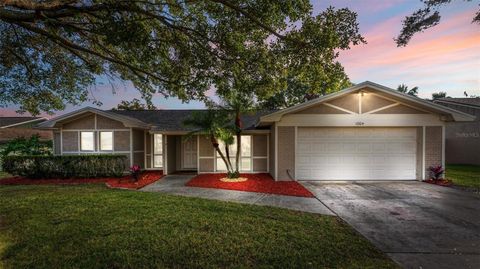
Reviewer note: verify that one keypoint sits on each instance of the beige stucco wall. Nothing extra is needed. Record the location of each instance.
(122, 140)
(371, 102)
(321, 109)
(400, 109)
(57, 143)
(260, 165)
(138, 140)
(106, 123)
(349, 102)
(139, 159)
(286, 152)
(463, 138)
(433, 147)
(86, 122)
(419, 153)
(259, 145)
(206, 154)
(70, 141)
(271, 149)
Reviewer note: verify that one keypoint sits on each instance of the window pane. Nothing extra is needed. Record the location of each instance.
(246, 164)
(221, 164)
(106, 140)
(157, 161)
(87, 141)
(246, 145)
(157, 144)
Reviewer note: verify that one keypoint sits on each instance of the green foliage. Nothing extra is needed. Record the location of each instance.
(135, 104)
(52, 52)
(72, 166)
(438, 95)
(24, 146)
(424, 18)
(27, 146)
(404, 89)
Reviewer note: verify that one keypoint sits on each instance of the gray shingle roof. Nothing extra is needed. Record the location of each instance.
(465, 101)
(172, 120)
(5, 121)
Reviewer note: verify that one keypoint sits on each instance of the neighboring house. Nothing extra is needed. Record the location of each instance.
(365, 132)
(463, 138)
(13, 127)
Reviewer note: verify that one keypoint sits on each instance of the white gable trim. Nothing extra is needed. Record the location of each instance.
(456, 115)
(23, 122)
(127, 121)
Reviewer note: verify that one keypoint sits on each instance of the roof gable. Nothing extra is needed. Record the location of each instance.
(8, 122)
(368, 87)
(126, 120)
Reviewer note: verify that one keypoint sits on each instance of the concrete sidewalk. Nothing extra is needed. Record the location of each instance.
(175, 184)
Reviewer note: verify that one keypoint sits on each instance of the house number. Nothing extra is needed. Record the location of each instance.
(359, 123)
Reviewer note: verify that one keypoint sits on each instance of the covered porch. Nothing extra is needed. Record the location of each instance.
(172, 153)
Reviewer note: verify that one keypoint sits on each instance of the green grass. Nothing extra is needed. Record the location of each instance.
(464, 175)
(4, 174)
(90, 226)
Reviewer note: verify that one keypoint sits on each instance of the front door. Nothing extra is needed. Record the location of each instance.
(190, 153)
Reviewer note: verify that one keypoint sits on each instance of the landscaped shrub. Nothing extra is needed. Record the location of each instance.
(436, 172)
(72, 166)
(25, 146)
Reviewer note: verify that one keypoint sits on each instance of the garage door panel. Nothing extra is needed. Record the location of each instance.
(356, 153)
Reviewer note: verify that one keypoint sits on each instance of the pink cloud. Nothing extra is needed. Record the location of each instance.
(438, 58)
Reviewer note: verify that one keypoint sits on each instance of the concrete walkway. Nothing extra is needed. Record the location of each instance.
(175, 184)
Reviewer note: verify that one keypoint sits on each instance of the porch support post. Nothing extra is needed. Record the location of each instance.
(164, 155)
(423, 152)
(443, 146)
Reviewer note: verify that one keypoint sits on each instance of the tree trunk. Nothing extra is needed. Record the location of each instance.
(229, 165)
(238, 125)
(217, 148)
(239, 147)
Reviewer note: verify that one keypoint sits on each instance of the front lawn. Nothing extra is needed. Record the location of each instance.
(90, 226)
(464, 175)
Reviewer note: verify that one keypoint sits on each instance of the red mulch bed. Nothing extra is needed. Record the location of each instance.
(124, 182)
(441, 182)
(263, 183)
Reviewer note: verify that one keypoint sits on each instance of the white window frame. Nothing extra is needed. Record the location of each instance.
(100, 147)
(218, 158)
(93, 141)
(154, 154)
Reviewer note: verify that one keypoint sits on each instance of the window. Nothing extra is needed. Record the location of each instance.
(87, 141)
(106, 140)
(157, 151)
(245, 154)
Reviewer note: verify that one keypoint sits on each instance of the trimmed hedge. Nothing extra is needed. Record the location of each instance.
(71, 166)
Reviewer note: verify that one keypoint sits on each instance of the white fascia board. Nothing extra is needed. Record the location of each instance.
(129, 122)
(456, 115)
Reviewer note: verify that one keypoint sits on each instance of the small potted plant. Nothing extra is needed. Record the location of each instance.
(135, 172)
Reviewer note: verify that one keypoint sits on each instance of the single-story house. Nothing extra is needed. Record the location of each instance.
(462, 138)
(14, 127)
(365, 132)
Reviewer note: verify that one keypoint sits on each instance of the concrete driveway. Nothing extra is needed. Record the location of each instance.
(418, 225)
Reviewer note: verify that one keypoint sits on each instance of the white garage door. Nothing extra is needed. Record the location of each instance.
(356, 153)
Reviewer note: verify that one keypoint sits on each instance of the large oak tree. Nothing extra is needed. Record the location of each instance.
(52, 51)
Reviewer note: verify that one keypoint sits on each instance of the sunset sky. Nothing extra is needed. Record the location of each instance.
(443, 58)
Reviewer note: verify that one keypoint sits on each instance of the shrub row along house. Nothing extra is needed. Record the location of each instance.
(365, 132)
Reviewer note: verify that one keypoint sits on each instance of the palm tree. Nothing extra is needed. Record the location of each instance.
(404, 88)
(214, 124)
(237, 104)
